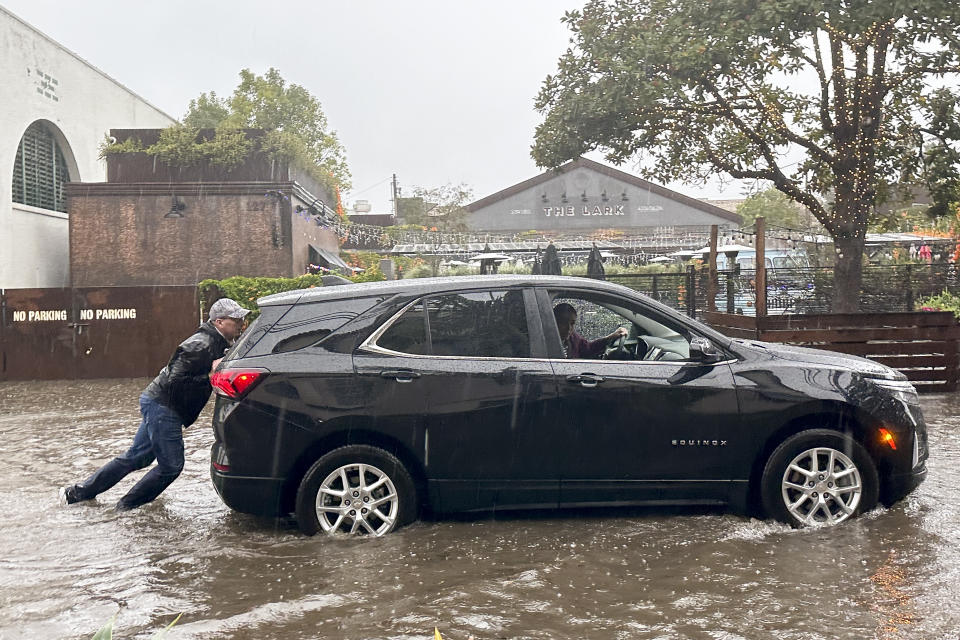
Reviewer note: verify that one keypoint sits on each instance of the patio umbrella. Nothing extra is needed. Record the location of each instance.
(551, 262)
(727, 249)
(489, 256)
(488, 264)
(595, 263)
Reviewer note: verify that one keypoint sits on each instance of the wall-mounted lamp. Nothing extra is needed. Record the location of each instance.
(543, 198)
(563, 197)
(603, 196)
(583, 196)
(176, 209)
(623, 196)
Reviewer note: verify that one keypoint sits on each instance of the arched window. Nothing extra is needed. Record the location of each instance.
(40, 170)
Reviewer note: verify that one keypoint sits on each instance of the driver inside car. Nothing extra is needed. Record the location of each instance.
(575, 345)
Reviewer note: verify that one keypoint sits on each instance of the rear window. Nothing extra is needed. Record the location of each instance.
(310, 324)
(255, 332)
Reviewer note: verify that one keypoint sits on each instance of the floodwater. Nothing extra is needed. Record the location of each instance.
(66, 571)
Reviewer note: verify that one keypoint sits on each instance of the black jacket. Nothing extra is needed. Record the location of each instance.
(184, 384)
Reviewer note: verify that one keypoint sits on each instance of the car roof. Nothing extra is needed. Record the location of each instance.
(426, 285)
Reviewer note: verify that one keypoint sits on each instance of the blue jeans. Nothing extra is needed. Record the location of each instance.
(160, 438)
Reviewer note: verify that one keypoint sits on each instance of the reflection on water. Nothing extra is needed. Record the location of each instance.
(64, 571)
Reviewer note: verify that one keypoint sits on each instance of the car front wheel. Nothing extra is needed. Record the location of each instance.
(356, 490)
(819, 477)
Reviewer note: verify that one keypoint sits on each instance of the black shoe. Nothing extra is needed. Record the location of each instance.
(68, 495)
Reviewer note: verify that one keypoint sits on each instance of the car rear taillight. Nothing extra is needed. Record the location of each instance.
(236, 383)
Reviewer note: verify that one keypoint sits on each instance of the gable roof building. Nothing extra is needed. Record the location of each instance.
(583, 196)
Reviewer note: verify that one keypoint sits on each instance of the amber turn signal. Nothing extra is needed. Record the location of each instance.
(887, 438)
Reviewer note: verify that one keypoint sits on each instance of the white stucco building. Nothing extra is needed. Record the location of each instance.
(55, 110)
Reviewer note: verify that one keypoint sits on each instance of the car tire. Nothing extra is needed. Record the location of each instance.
(356, 490)
(843, 485)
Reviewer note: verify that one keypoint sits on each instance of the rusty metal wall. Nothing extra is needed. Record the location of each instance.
(102, 332)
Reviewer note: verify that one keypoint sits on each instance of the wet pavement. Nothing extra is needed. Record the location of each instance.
(65, 571)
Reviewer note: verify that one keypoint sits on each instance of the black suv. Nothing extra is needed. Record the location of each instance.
(356, 406)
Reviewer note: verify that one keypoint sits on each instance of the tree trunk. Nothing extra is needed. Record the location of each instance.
(848, 273)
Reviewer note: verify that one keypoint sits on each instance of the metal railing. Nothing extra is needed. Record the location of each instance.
(888, 288)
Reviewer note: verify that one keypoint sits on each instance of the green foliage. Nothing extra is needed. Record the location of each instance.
(777, 209)
(180, 145)
(206, 112)
(130, 145)
(419, 271)
(228, 148)
(443, 208)
(246, 290)
(370, 274)
(944, 301)
(911, 219)
(742, 89)
(413, 212)
(362, 259)
(177, 146)
(297, 129)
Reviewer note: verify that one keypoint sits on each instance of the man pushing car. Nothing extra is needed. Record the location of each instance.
(172, 401)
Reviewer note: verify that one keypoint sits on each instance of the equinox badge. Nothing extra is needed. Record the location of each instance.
(699, 443)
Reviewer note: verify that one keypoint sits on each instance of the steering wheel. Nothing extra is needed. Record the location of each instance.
(620, 351)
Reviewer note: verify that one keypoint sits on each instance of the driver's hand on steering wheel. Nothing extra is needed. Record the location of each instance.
(621, 332)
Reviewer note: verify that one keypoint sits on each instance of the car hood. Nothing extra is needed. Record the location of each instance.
(823, 358)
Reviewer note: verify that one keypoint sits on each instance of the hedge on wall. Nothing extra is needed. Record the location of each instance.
(246, 291)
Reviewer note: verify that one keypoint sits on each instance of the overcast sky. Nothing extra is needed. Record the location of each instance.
(436, 91)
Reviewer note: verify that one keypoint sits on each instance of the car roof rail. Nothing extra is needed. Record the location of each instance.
(332, 281)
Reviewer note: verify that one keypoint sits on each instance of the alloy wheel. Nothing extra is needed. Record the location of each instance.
(357, 499)
(821, 486)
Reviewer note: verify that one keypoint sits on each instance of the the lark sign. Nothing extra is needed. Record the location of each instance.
(597, 210)
(584, 196)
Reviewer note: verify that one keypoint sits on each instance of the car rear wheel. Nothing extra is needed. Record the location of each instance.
(819, 477)
(356, 490)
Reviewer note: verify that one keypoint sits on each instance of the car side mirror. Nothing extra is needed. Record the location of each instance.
(702, 350)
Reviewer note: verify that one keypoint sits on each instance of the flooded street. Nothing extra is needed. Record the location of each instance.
(65, 571)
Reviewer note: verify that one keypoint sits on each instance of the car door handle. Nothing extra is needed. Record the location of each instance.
(400, 375)
(586, 379)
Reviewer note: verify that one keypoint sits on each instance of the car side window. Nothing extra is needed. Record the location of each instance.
(477, 324)
(408, 334)
(648, 338)
(592, 319)
(484, 324)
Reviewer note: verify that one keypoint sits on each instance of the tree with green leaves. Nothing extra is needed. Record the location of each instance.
(835, 103)
(295, 125)
(777, 209)
(441, 207)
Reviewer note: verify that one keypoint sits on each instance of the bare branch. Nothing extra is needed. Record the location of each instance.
(838, 80)
(825, 120)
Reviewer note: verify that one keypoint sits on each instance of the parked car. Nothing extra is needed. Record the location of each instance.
(356, 407)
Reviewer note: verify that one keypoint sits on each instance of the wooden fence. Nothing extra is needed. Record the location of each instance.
(922, 345)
